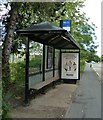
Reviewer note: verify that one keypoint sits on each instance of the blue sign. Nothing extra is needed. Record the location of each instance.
(65, 24)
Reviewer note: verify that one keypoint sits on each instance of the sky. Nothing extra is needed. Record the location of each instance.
(93, 11)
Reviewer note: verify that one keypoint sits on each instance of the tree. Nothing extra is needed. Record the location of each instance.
(82, 32)
(8, 41)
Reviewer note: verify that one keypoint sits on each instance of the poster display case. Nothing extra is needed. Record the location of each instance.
(70, 66)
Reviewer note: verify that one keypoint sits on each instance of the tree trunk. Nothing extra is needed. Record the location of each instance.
(7, 45)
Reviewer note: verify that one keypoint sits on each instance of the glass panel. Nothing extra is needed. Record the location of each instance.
(35, 63)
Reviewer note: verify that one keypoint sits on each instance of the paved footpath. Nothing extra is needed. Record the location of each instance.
(53, 104)
(87, 102)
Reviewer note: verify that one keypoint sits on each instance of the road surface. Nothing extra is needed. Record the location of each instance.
(87, 102)
(98, 67)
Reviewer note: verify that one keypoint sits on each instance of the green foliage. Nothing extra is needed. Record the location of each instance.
(18, 72)
(102, 58)
(96, 58)
(18, 69)
(5, 110)
(17, 80)
(35, 62)
(6, 95)
(31, 13)
(82, 66)
(92, 57)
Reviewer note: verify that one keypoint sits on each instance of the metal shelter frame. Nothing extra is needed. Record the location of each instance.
(50, 35)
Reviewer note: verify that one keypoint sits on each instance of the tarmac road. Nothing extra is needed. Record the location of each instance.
(87, 103)
(98, 68)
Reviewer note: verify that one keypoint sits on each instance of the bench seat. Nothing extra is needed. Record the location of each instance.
(44, 83)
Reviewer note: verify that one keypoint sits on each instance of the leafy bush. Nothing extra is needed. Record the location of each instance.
(18, 72)
(5, 110)
(35, 62)
(17, 81)
(18, 69)
(82, 65)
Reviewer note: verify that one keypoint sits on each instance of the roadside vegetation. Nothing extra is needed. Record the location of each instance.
(21, 15)
(102, 58)
(82, 66)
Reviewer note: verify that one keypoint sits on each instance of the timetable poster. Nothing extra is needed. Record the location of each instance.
(70, 66)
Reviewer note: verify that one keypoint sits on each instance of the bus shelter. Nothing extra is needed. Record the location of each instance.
(49, 34)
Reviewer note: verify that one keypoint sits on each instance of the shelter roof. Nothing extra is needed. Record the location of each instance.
(49, 34)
